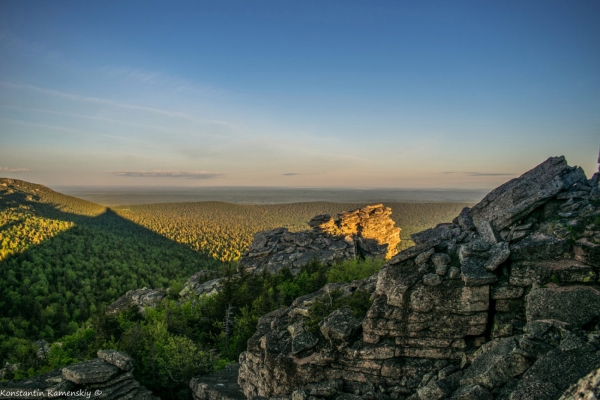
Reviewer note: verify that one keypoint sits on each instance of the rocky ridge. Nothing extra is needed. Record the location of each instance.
(107, 377)
(502, 303)
(365, 232)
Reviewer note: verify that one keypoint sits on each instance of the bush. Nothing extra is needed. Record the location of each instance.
(350, 270)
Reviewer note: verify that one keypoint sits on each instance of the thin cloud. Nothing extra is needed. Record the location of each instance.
(487, 174)
(112, 103)
(8, 169)
(477, 173)
(168, 174)
(290, 174)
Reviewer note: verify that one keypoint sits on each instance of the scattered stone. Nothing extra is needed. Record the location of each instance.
(495, 363)
(340, 324)
(303, 342)
(474, 273)
(92, 371)
(472, 392)
(499, 253)
(141, 298)
(488, 232)
(464, 220)
(440, 260)
(454, 273)
(424, 257)
(116, 358)
(432, 280)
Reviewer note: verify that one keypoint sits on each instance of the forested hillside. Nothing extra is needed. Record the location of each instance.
(224, 230)
(62, 259)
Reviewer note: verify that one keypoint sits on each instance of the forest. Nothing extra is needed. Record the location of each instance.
(224, 230)
(63, 260)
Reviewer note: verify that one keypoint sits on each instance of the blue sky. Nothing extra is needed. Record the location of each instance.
(460, 94)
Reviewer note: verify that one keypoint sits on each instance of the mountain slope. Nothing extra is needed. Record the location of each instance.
(62, 259)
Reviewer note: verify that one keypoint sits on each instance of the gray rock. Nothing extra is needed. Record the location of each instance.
(327, 389)
(474, 274)
(432, 280)
(575, 305)
(464, 219)
(477, 248)
(442, 270)
(116, 358)
(348, 396)
(539, 246)
(303, 342)
(440, 259)
(495, 363)
(499, 253)
(526, 273)
(220, 386)
(440, 232)
(515, 199)
(141, 298)
(454, 273)
(434, 390)
(587, 388)
(424, 257)
(488, 232)
(93, 371)
(505, 291)
(472, 392)
(553, 373)
(340, 324)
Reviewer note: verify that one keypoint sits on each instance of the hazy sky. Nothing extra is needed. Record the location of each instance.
(462, 94)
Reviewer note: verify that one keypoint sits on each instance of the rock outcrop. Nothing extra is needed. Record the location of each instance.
(366, 232)
(141, 298)
(107, 377)
(502, 303)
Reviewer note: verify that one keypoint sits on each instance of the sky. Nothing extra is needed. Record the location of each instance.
(386, 94)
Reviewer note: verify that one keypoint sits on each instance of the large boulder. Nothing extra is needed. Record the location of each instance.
(575, 305)
(518, 197)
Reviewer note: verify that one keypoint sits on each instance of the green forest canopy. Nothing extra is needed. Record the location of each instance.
(63, 260)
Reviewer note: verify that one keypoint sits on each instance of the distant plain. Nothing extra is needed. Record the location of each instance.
(112, 196)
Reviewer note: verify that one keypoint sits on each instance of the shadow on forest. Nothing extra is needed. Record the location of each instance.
(108, 221)
(68, 276)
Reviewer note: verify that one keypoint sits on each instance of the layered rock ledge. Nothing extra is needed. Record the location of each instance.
(107, 377)
(502, 303)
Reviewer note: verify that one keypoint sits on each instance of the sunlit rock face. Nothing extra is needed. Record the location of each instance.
(366, 232)
(502, 303)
